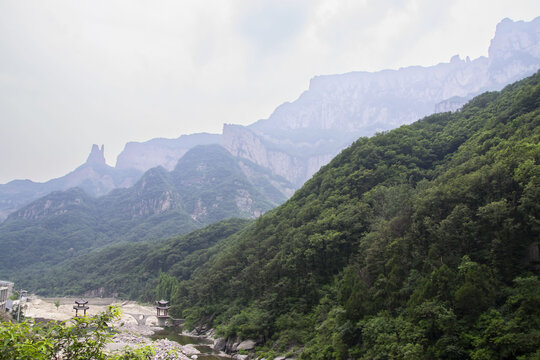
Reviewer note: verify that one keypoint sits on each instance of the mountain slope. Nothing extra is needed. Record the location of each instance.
(429, 231)
(131, 269)
(207, 185)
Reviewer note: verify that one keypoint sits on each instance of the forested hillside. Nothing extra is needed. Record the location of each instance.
(131, 270)
(418, 243)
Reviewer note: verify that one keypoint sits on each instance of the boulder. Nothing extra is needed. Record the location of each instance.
(246, 345)
(240, 357)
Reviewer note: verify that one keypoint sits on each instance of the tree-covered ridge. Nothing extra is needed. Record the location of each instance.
(131, 270)
(410, 244)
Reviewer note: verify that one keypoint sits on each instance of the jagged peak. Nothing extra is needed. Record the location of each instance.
(97, 155)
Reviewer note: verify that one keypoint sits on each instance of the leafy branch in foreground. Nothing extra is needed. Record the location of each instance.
(78, 339)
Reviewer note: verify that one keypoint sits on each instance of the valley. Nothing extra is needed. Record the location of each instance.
(381, 215)
(428, 231)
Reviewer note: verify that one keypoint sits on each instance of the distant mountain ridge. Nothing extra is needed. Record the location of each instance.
(161, 152)
(301, 136)
(95, 177)
(207, 185)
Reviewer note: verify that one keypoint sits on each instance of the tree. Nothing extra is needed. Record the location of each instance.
(81, 339)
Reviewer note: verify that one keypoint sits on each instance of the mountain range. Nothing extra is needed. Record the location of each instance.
(208, 184)
(417, 243)
(300, 137)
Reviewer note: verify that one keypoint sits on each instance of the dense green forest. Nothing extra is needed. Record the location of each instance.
(132, 270)
(417, 243)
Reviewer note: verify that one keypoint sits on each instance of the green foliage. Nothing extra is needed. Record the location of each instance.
(251, 322)
(167, 284)
(134, 270)
(82, 338)
(513, 331)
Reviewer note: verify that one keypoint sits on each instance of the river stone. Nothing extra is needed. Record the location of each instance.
(189, 349)
(246, 345)
(240, 357)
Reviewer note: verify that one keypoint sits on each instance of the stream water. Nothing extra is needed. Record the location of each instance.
(202, 344)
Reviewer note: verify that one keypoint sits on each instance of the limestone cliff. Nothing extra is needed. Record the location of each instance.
(244, 143)
(301, 136)
(161, 152)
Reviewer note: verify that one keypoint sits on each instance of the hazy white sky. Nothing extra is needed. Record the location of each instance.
(74, 73)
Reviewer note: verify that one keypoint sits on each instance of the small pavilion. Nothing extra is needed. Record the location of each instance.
(162, 308)
(81, 305)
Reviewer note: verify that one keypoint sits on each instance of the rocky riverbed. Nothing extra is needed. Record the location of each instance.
(134, 335)
(137, 324)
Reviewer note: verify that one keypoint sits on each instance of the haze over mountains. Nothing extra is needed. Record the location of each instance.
(95, 177)
(419, 242)
(207, 185)
(300, 137)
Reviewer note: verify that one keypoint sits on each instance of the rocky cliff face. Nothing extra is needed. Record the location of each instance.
(245, 143)
(514, 49)
(153, 194)
(301, 136)
(97, 155)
